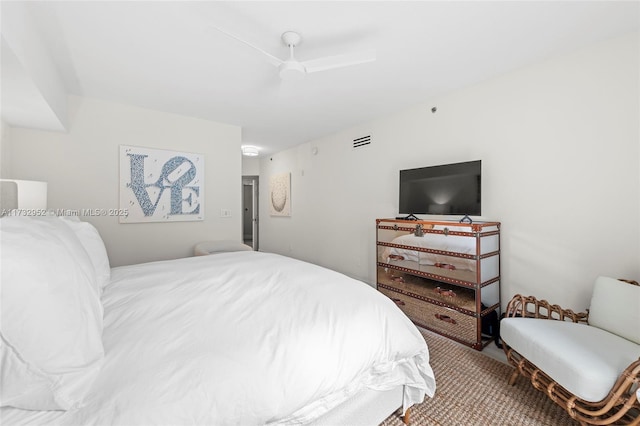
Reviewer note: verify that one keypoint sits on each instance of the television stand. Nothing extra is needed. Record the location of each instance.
(447, 281)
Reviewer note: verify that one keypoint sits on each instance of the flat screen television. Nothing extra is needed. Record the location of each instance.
(448, 189)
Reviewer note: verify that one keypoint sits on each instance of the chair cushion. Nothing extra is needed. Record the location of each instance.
(583, 359)
(615, 307)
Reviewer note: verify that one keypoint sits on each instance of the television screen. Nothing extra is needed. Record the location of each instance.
(449, 189)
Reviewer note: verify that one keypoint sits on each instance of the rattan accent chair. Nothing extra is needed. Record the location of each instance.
(598, 342)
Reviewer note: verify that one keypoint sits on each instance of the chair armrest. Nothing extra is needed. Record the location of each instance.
(530, 307)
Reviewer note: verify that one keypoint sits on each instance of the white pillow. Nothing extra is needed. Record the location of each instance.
(50, 316)
(94, 246)
(615, 307)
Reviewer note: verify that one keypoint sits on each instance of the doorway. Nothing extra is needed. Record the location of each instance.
(250, 211)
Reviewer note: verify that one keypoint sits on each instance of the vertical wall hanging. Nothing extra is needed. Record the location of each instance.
(280, 194)
(161, 186)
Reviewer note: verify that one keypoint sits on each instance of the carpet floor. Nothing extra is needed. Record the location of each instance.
(472, 390)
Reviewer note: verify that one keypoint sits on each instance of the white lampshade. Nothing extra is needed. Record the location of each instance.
(23, 194)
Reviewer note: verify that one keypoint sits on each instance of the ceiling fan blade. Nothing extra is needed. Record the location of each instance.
(339, 61)
(272, 59)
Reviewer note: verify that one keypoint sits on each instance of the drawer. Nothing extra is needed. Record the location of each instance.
(435, 264)
(438, 318)
(449, 294)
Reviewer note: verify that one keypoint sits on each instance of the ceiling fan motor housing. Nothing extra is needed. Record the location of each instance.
(292, 70)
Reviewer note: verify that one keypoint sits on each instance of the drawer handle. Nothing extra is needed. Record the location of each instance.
(447, 293)
(399, 302)
(446, 318)
(444, 266)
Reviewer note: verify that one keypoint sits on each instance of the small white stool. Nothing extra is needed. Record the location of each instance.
(220, 246)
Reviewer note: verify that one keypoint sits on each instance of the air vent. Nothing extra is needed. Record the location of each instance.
(362, 142)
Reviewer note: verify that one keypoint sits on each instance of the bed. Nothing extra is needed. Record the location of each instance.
(242, 338)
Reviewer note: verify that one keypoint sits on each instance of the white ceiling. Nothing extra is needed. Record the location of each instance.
(166, 56)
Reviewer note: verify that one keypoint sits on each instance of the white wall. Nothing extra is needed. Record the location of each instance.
(81, 167)
(559, 144)
(5, 150)
(250, 166)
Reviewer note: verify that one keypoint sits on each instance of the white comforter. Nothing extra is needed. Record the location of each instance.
(242, 338)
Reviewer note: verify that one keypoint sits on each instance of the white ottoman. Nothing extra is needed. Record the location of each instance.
(220, 246)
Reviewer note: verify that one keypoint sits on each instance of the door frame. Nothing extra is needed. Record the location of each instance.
(252, 181)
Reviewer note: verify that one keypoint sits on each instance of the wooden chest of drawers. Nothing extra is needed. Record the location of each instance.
(444, 275)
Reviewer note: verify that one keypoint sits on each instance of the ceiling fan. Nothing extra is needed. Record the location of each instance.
(292, 69)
